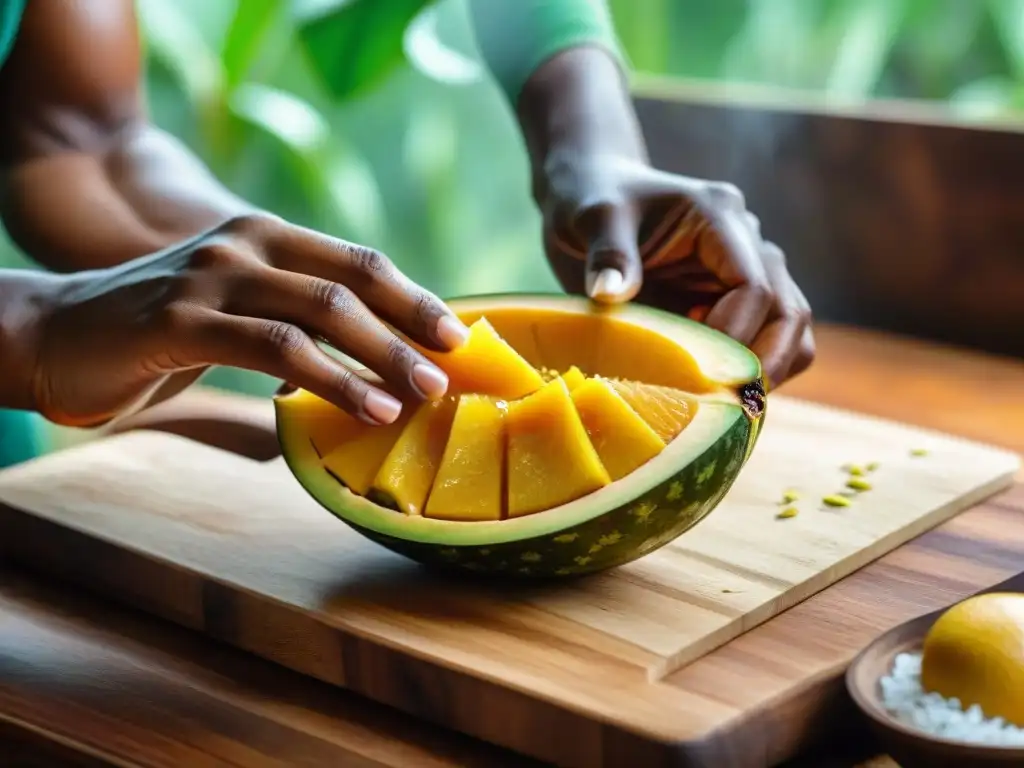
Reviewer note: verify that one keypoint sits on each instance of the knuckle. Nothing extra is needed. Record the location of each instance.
(428, 308)
(351, 386)
(252, 224)
(371, 261)
(216, 255)
(284, 340)
(725, 194)
(399, 355)
(334, 298)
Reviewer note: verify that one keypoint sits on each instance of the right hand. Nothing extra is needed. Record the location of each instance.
(254, 293)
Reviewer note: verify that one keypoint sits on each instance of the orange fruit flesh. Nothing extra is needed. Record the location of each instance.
(469, 483)
(623, 441)
(551, 461)
(505, 442)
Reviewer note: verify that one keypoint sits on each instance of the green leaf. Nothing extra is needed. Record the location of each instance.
(242, 43)
(354, 45)
(174, 39)
(330, 172)
(430, 56)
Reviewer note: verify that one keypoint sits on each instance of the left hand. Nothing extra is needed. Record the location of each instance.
(617, 229)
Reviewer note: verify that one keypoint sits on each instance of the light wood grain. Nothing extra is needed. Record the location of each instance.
(234, 548)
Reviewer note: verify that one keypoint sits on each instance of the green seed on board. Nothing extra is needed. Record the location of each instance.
(789, 497)
(872, 466)
(919, 452)
(836, 500)
(854, 470)
(858, 485)
(787, 513)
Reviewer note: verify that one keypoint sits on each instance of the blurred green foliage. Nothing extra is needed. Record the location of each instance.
(371, 120)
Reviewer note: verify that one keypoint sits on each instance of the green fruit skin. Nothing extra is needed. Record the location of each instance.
(617, 537)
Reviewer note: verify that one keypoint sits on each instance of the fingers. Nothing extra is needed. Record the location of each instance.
(613, 269)
(286, 352)
(783, 342)
(730, 252)
(334, 313)
(371, 276)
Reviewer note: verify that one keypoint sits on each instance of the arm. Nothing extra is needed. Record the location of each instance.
(559, 65)
(85, 180)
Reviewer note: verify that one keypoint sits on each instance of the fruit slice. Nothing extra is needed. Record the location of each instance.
(622, 439)
(324, 424)
(550, 458)
(573, 378)
(667, 410)
(356, 461)
(486, 364)
(404, 479)
(469, 483)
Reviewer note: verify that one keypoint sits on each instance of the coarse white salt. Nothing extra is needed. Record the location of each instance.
(936, 715)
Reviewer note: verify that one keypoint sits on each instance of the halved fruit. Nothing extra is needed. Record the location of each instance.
(563, 479)
(550, 459)
(623, 440)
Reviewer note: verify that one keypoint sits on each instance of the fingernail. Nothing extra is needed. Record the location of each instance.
(607, 283)
(451, 332)
(381, 407)
(431, 381)
(286, 388)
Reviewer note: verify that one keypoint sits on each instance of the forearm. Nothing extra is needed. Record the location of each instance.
(73, 210)
(560, 66)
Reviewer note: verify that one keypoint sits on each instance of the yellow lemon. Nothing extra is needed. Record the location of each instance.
(975, 653)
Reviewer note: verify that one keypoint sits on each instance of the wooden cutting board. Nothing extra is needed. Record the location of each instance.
(571, 674)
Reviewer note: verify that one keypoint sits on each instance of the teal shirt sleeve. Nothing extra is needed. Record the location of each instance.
(10, 19)
(516, 36)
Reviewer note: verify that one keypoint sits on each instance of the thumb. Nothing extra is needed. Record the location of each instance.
(614, 272)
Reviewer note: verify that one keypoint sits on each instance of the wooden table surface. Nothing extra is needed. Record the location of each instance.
(85, 683)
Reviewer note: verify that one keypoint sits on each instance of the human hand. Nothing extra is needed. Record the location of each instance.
(617, 229)
(254, 293)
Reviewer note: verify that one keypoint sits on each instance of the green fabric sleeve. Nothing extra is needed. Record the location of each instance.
(10, 20)
(516, 36)
(20, 437)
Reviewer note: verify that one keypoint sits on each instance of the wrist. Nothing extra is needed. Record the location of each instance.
(575, 107)
(27, 300)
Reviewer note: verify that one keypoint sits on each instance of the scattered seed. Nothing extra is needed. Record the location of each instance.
(836, 500)
(872, 466)
(919, 452)
(730, 591)
(788, 497)
(853, 469)
(787, 513)
(858, 485)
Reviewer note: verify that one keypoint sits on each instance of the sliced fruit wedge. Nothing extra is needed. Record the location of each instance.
(550, 458)
(486, 364)
(623, 440)
(407, 473)
(469, 484)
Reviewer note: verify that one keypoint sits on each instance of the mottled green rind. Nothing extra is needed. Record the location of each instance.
(618, 536)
